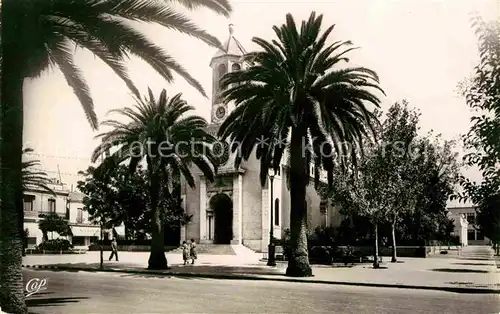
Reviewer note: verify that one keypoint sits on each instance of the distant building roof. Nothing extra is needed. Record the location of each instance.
(231, 46)
(75, 197)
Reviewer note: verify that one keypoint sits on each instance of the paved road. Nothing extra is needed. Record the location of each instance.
(84, 292)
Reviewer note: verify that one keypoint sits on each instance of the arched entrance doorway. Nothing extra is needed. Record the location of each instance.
(222, 207)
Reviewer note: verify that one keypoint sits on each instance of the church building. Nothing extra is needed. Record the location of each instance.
(236, 209)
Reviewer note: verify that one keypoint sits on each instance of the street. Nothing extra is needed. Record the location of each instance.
(87, 292)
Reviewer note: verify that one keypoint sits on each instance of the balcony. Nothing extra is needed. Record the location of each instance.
(41, 214)
(34, 216)
(30, 214)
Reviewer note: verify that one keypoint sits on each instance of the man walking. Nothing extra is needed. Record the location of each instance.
(114, 249)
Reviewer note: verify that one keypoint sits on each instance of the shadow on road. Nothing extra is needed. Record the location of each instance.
(36, 302)
(475, 259)
(73, 268)
(158, 276)
(473, 264)
(460, 270)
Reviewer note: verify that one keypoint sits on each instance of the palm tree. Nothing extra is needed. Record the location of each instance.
(169, 143)
(294, 94)
(38, 34)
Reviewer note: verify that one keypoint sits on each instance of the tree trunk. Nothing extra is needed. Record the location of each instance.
(12, 298)
(157, 259)
(375, 256)
(394, 254)
(298, 263)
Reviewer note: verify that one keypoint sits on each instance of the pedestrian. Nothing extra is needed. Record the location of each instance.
(114, 250)
(192, 252)
(185, 252)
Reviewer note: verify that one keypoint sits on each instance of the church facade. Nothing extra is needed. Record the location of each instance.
(236, 209)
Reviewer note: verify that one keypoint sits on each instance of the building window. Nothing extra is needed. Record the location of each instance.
(52, 205)
(222, 72)
(324, 213)
(67, 211)
(31, 241)
(322, 207)
(28, 202)
(235, 67)
(479, 236)
(79, 215)
(471, 218)
(471, 235)
(277, 212)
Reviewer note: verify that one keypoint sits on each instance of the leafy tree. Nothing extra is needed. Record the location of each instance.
(114, 196)
(483, 95)
(361, 194)
(394, 161)
(295, 94)
(117, 196)
(488, 219)
(157, 134)
(37, 34)
(483, 140)
(438, 172)
(52, 222)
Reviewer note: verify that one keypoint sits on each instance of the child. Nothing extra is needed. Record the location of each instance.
(193, 251)
(185, 252)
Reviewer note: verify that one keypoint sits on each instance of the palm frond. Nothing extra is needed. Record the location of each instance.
(295, 82)
(104, 28)
(31, 177)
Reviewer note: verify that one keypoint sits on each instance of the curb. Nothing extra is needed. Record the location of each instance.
(167, 273)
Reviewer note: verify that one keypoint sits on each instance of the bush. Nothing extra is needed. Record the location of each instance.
(55, 245)
(321, 245)
(322, 236)
(324, 255)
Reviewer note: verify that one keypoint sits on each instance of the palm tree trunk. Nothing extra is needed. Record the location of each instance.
(12, 298)
(157, 259)
(394, 254)
(298, 263)
(375, 256)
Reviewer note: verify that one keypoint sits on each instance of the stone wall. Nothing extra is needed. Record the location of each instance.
(192, 207)
(252, 205)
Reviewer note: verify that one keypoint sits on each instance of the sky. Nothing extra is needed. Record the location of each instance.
(420, 50)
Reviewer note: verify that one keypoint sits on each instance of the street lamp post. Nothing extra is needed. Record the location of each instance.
(101, 249)
(271, 260)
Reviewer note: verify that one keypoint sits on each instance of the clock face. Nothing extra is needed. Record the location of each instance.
(220, 151)
(220, 112)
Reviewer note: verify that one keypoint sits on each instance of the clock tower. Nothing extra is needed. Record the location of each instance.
(227, 59)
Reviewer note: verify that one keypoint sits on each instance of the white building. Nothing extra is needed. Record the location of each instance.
(36, 203)
(83, 232)
(66, 204)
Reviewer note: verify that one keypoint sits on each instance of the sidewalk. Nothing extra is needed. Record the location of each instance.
(451, 274)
